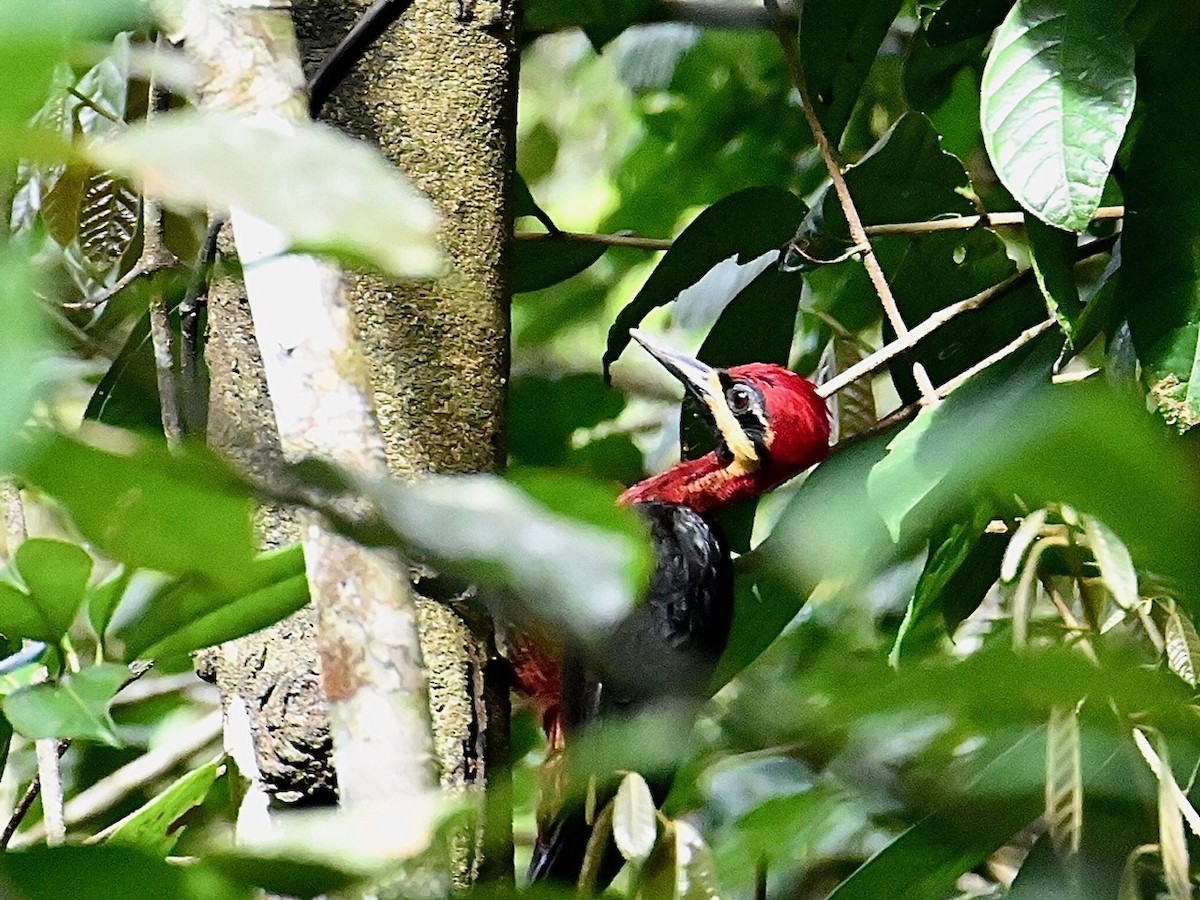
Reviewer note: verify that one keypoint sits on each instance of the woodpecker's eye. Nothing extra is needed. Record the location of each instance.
(739, 398)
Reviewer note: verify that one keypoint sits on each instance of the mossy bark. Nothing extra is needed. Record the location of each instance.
(438, 95)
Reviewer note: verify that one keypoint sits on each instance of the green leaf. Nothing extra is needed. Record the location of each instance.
(56, 574)
(940, 269)
(1057, 93)
(75, 706)
(924, 862)
(635, 823)
(949, 559)
(23, 343)
(957, 20)
(905, 177)
(326, 192)
(1116, 566)
(157, 619)
(557, 545)
(838, 45)
(601, 20)
(102, 599)
(680, 868)
(182, 514)
(549, 260)
(525, 205)
(282, 876)
(156, 826)
(1182, 646)
(744, 225)
(96, 873)
(1053, 253)
(1159, 285)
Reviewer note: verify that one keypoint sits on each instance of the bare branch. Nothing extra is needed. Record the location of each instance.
(791, 52)
(54, 824)
(987, 220)
(26, 803)
(611, 240)
(888, 352)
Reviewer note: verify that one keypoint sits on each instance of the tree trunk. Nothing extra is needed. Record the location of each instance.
(438, 94)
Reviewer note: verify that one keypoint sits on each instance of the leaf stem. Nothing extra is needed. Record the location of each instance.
(791, 53)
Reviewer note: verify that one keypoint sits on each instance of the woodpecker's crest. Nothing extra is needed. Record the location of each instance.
(769, 422)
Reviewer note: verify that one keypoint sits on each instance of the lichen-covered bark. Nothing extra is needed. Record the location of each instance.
(438, 94)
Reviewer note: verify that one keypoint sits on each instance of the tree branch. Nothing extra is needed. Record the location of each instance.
(951, 223)
(858, 235)
(888, 352)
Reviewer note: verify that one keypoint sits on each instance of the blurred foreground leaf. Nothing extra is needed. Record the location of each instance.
(74, 706)
(326, 192)
(181, 514)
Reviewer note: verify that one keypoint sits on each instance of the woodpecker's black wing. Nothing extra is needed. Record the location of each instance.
(663, 652)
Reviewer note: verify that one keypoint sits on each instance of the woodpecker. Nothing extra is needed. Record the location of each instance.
(770, 425)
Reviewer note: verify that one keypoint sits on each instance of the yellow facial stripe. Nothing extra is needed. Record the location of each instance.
(745, 457)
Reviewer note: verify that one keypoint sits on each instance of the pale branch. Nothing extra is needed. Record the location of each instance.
(25, 804)
(136, 271)
(143, 771)
(791, 52)
(54, 823)
(950, 223)
(890, 351)
(155, 255)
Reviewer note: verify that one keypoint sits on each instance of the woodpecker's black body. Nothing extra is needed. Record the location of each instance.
(663, 653)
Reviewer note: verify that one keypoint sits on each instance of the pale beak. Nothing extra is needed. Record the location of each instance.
(703, 382)
(698, 378)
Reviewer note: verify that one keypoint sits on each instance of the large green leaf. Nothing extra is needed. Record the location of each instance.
(553, 545)
(905, 177)
(23, 342)
(601, 20)
(838, 44)
(156, 826)
(96, 873)
(940, 269)
(158, 619)
(325, 191)
(1057, 93)
(957, 20)
(56, 574)
(744, 225)
(1159, 284)
(74, 706)
(182, 514)
(542, 263)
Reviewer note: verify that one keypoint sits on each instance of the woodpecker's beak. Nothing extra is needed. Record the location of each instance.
(703, 382)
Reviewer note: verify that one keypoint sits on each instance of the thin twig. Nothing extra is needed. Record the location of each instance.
(144, 266)
(791, 52)
(95, 107)
(989, 220)
(193, 395)
(951, 223)
(156, 255)
(888, 352)
(610, 240)
(35, 787)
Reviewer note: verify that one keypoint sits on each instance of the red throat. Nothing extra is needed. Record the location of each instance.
(703, 484)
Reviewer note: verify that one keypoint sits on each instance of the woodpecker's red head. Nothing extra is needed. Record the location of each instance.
(769, 422)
